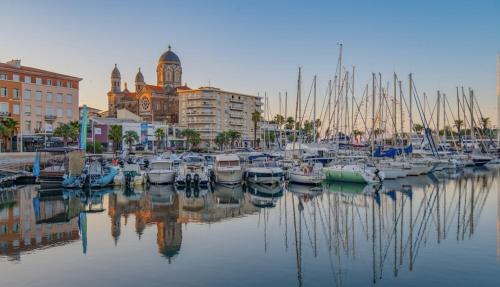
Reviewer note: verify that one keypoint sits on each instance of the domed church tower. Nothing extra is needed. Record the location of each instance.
(169, 70)
(139, 81)
(116, 79)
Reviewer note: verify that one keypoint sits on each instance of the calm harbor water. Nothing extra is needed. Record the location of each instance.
(442, 230)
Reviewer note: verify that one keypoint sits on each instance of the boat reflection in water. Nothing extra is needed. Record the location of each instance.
(335, 234)
(264, 195)
(397, 219)
(31, 219)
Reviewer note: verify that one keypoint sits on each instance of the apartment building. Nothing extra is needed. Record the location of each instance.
(38, 100)
(211, 110)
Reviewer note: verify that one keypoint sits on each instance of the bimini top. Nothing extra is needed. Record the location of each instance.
(226, 157)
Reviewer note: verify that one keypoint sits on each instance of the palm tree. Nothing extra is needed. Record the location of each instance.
(221, 139)
(8, 127)
(418, 128)
(233, 136)
(458, 124)
(130, 138)
(159, 134)
(485, 122)
(115, 135)
(256, 118)
(192, 137)
(67, 132)
(279, 120)
(289, 123)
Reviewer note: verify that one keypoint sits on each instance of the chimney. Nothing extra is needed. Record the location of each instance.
(14, 63)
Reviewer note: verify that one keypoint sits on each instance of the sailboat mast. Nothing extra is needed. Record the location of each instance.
(314, 111)
(352, 103)
(498, 97)
(346, 116)
(373, 114)
(394, 118)
(411, 103)
(471, 95)
(438, 111)
(401, 107)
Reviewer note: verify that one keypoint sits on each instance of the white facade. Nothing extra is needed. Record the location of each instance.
(211, 111)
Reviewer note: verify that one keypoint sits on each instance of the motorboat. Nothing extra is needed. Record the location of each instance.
(161, 171)
(307, 173)
(262, 171)
(192, 171)
(227, 169)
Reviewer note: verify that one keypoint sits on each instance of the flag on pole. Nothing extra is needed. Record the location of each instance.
(83, 130)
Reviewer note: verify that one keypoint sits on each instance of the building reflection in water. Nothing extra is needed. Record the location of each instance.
(397, 219)
(162, 206)
(29, 221)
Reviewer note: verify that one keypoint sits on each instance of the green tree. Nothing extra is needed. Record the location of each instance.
(67, 132)
(130, 138)
(116, 135)
(233, 136)
(192, 137)
(159, 134)
(289, 123)
(279, 120)
(8, 127)
(221, 139)
(269, 137)
(418, 128)
(458, 124)
(95, 147)
(256, 118)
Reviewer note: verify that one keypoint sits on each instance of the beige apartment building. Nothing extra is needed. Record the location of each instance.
(211, 110)
(38, 100)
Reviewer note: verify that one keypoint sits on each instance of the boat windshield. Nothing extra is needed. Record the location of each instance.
(161, 165)
(229, 163)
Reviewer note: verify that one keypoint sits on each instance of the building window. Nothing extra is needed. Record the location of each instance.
(15, 77)
(27, 94)
(3, 92)
(58, 83)
(27, 79)
(15, 109)
(59, 98)
(69, 113)
(15, 93)
(49, 111)
(38, 81)
(38, 111)
(38, 126)
(49, 97)
(3, 76)
(27, 109)
(59, 113)
(68, 84)
(49, 82)
(38, 95)
(69, 99)
(27, 126)
(4, 108)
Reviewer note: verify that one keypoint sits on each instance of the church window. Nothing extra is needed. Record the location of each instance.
(169, 76)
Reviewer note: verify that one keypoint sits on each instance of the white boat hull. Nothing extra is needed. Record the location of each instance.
(161, 176)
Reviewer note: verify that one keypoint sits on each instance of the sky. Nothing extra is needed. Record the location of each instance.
(256, 47)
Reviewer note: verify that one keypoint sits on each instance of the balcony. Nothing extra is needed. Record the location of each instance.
(201, 114)
(237, 101)
(236, 123)
(5, 114)
(200, 105)
(236, 107)
(236, 116)
(258, 103)
(201, 121)
(201, 97)
(50, 118)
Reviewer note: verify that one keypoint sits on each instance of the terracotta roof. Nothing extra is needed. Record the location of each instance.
(37, 71)
(183, 88)
(154, 88)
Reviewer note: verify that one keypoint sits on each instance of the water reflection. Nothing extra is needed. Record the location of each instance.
(345, 228)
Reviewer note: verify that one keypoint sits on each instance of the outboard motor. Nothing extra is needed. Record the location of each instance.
(188, 178)
(146, 163)
(121, 163)
(196, 178)
(188, 191)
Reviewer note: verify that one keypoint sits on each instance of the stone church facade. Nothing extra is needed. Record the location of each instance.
(158, 103)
